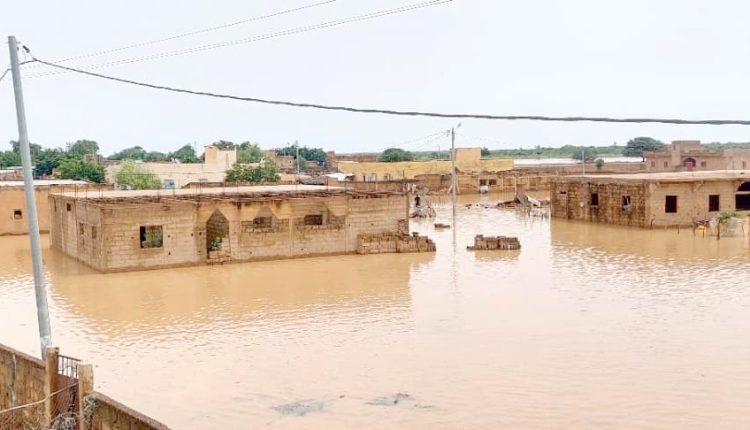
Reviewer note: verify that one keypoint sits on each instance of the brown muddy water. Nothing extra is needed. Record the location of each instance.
(588, 326)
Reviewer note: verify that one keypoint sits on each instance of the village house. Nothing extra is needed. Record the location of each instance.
(689, 155)
(133, 230)
(176, 175)
(13, 202)
(650, 199)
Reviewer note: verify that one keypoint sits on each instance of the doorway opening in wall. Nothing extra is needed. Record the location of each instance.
(670, 204)
(689, 163)
(217, 232)
(713, 203)
(594, 199)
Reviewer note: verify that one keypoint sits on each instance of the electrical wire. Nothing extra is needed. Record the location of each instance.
(258, 38)
(193, 33)
(405, 113)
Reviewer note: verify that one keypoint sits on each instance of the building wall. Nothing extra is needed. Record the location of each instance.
(468, 160)
(21, 378)
(692, 201)
(674, 159)
(213, 169)
(13, 198)
(186, 228)
(572, 200)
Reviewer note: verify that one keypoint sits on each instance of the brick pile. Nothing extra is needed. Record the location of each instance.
(387, 243)
(492, 243)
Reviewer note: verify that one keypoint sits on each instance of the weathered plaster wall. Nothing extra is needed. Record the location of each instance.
(21, 378)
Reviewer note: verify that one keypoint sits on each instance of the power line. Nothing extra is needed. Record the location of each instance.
(195, 32)
(406, 113)
(258, 38)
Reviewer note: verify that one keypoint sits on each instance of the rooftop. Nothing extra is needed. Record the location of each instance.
(710, 175)
(236, 194)
(43, 182)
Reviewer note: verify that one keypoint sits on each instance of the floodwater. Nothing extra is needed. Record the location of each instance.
(588, 326)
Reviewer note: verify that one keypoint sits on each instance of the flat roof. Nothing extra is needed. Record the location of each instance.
(227, 193)
(707, 175)
(43, 182)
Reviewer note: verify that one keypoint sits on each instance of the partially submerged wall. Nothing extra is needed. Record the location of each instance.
(283, 227)
(615, 202)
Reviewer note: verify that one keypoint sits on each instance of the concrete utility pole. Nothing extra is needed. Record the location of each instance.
(454, 179)
(42, 310)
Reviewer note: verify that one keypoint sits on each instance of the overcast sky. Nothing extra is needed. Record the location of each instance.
(666, 58)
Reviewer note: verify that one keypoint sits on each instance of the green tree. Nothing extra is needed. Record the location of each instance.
(47, 161)
(311, 154)
(131, 176)
(73, 168)
(267, 172)
(590, 153)
(186, 154)
(485, 152)
(395, 154)
(249, 153)
(224, 144)
(636, 147)
(79, 148)
(599, 164)
(155, 157)
(133, 153)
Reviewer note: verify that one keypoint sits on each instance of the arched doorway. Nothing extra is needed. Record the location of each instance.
(689, 163)
(742, 197)
(217, 232)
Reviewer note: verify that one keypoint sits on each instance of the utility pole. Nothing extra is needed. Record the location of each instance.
(583, 161)
(42, 310)
(297, 159)
(454, 179)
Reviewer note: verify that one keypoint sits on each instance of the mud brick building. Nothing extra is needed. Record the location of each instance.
(135, 230)
(689, 155)
(650, 199)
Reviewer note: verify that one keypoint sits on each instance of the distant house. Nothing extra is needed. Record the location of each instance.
(689, 155)
(176, 175)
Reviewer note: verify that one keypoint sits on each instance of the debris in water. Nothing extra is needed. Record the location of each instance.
(301, 408)
(391, 400)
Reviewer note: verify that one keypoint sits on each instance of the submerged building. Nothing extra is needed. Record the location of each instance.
(650, 199)
(13, 201)
(132, 230)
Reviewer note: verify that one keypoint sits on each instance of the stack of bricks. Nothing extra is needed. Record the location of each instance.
(492, 243)
(388, 243)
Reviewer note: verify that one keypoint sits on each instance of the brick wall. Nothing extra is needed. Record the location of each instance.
(110, 414)
(21, 378)
(572, 200)
(188, 226)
